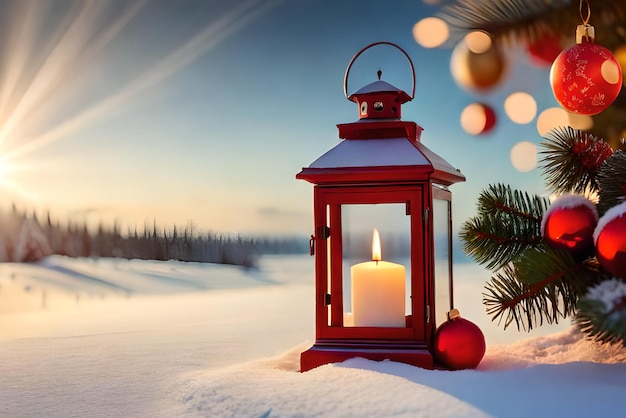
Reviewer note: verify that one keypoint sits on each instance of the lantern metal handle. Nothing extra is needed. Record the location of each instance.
(345, 77)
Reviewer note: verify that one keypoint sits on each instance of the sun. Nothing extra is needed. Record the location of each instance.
(7, 169)
(4, 170)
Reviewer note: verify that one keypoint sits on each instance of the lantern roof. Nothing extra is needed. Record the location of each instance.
(380, 160)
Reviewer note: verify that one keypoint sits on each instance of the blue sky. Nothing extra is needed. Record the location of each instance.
(204, 110)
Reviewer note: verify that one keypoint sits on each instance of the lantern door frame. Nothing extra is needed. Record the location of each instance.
(440, 193)
(337, 342)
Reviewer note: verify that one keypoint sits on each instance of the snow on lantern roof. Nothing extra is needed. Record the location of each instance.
(410, 159)
(380, 86)
(371, 153)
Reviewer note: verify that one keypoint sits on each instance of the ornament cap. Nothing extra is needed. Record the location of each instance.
(585, 33)
(453, 314)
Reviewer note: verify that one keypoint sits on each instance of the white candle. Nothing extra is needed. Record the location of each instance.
(378, 291)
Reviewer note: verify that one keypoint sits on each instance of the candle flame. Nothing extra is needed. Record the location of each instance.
(376, 253)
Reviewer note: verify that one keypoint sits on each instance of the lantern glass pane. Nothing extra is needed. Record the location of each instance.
(376, 294)
(442, 236)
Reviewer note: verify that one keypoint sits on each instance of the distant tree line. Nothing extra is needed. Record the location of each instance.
(24, 238)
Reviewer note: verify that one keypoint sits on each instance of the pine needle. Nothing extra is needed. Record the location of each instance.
(542, 285)
(612, 182)
(526, 21)
(602, 312)
(508, 222)
(571, 160)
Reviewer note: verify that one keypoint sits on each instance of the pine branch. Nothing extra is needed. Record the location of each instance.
(508, 222)
(494, 243)
(602, 312)
(504, 202)
(525, 21)
(571, 160)
(541, 285)
(504, 19)
(501, 289)
(612, 182)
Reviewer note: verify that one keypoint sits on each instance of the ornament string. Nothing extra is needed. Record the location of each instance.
(580, 10)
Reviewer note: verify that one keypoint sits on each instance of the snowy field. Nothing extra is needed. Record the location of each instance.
(119, 338)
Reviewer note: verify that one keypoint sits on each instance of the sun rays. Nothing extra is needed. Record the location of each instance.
(37, 74)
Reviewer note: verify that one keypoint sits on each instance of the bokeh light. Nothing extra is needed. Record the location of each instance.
(520, 107)
(431, 32)
(555, 117)
(478, 119)
(478, 42)
(524, 156)
(610, 72)
(551, 118)
(580, 121)
(620, 56)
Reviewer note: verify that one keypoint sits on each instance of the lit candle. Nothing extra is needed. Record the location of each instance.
(378, 291)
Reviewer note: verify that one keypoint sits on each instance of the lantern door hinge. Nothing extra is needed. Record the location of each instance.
(327, 299)
(323, 232)
(427, 314)
(425, 215)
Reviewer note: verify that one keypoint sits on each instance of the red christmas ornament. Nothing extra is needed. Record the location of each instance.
(543, 51)
(459, 344)
(610, 238)
(568, 224)
(478, 119)
(477, 63)
(586, 78)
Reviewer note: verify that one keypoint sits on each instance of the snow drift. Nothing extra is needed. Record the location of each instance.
(165, 339)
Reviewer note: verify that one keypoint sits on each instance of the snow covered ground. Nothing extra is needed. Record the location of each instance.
(111, 338)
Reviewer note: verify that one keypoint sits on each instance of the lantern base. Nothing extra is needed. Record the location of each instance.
(321, 353)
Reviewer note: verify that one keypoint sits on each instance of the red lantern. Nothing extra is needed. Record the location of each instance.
(610, 237)
(586, 78)
(459, 344)
(569, 223)
(380, 175)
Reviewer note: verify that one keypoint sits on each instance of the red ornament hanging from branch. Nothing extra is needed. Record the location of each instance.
(610, 239)
(544, 50)
(586, 78)
(569, 223)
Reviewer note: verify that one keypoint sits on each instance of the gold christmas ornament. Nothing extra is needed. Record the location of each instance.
(477, 63)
